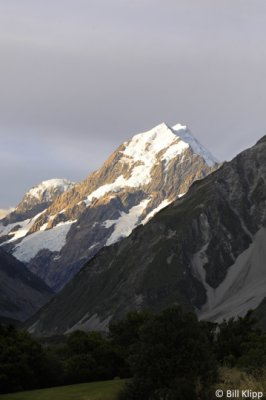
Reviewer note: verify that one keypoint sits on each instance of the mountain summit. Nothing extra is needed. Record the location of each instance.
(141, 177)
(205, 251)
(36, 200)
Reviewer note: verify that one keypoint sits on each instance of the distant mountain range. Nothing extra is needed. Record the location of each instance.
(21, 292)
(205, 251)
(59, 225)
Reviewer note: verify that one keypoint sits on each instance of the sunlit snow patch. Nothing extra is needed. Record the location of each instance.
(174, 150)
(22, 228)
(163, 204)
(143, 152)
(126, 222)
(197, 147)
(62, 184)
(53, 239)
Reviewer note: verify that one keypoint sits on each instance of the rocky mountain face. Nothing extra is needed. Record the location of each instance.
(18, 223)
(141, 177)
(21, 292)
(206, 251)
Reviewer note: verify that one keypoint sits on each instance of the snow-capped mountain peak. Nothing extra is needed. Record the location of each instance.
(149, 143)
(185, 135)
(142, 176)
(179, 127)
(161, 142)
(141, 153)
(18, 223)
(48, 186)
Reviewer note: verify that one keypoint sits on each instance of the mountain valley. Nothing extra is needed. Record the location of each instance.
(205, 251)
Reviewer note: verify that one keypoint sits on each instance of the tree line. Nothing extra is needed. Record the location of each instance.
(167, 356)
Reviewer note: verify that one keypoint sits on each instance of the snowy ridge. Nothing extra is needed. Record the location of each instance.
(49, 185)
(102, 190)
(142, 150)
(163, 204)
(147, 149)
(197, 147)
(45, 192)
(142, 176)
(22, 228)
(174, 150)
(145, 146)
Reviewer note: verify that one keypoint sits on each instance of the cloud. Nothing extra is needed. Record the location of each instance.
(4, 212)
(78, 78)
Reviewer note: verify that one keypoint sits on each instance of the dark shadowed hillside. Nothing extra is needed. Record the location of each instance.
(21, 292)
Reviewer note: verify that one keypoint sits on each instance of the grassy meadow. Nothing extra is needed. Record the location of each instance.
(106, 390)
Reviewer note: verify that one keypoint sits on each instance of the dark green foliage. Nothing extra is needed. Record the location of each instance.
(125, 336)
(231, 337)
(126, 332)
(173, 358)
(83, 357)
(240, 344)
(88, 356)
(170, 355)
(80, 368)
(80, 342)
(23, 362)
(253, 356)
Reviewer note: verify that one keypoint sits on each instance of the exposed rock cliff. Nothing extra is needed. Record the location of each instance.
(205, 251)
(142, 176)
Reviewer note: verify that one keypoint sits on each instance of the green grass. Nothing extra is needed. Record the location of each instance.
(106, 390)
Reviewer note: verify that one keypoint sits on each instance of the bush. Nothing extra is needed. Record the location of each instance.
(173, 358)
(240, 344)
(23, 362)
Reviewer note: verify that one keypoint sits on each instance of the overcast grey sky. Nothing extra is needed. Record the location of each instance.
(78, 77)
